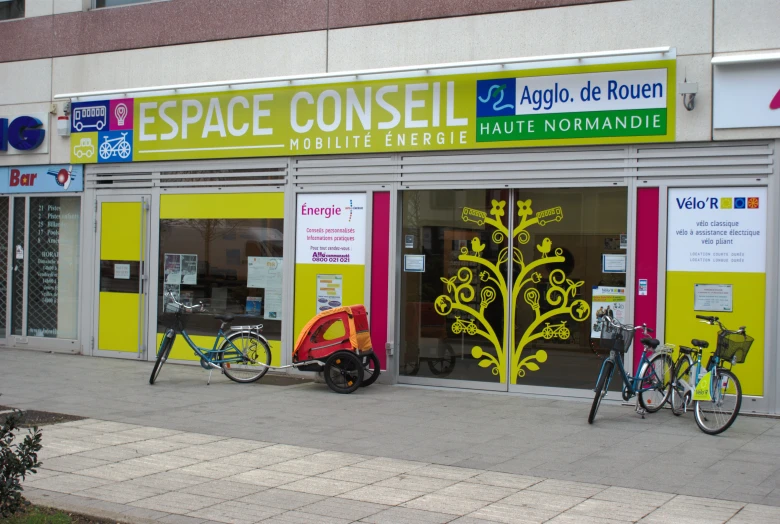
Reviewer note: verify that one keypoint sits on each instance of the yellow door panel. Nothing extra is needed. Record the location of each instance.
(120, 231)
(118, 322)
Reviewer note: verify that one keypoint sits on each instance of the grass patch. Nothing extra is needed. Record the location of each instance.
(41, 515)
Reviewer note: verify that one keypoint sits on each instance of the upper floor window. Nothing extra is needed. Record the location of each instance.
(11, 9)
(114, 3)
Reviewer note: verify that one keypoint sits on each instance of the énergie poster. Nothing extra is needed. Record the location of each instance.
(717, 229)
(331, 228)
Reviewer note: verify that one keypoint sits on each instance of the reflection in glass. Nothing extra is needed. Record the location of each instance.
(223, 263)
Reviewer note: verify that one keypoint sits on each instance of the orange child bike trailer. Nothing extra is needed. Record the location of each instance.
(317, 340)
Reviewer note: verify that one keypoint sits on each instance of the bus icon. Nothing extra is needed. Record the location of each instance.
(90, 117)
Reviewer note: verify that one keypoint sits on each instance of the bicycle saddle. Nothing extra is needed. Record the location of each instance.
(225, 318)
(651, 342)
(700, 343)
(685, 350)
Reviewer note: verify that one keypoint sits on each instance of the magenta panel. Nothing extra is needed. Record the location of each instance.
(646, 244)
(380, 274)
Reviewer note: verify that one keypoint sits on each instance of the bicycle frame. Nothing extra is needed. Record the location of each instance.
(630, 382)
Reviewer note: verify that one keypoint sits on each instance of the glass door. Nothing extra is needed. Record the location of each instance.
(122, 287)
(502, 284)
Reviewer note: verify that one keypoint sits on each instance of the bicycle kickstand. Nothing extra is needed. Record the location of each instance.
(640, 410)
(208, 382)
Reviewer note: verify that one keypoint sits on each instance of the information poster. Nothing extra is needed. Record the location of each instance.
(189, 270)
(713, 297)
(266, 273)
(331, 229)
(172, 269)
(716, 264)
(329, 292)
(607, 302)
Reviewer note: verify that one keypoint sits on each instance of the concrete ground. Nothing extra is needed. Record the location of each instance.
(515, 458)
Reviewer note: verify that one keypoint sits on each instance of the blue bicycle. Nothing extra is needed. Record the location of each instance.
(650, 384)
(242, 354)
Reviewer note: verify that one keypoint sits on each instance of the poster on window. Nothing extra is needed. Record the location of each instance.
(172, 268)
(189, 270)
(607, 302)
(329, 292)
(331, 228)
(267, 273)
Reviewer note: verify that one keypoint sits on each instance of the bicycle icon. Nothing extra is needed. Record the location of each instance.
(111, 146)
(460, 326)
(558, 330)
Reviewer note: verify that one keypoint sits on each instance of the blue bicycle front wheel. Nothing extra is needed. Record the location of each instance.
(601, 389)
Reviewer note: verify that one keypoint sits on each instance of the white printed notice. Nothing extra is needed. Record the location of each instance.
(331, 228)
(329, 292)
(266, 273)
(713, 297)
(717, 229)
(607, 302)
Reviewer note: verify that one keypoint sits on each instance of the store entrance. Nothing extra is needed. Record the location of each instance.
(122, 240)
(500, 288)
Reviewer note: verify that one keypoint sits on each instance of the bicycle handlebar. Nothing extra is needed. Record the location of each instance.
(712, 320)
(199, 305)
(629, 327)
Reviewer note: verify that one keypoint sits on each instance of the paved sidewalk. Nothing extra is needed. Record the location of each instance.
(141, 474)
(543, 438)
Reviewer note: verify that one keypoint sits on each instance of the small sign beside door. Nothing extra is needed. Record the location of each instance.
(19, 252)
(122, 271)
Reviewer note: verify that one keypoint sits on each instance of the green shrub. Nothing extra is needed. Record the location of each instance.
(16, 461)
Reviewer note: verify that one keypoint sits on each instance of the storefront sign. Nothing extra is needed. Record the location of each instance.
(24, 134)
(713, 297)
(42, 179)
(746, 95)
(331, 228)
(717, 229)
(122, 271)
(716, 262)
(422, 111)
(607, 302)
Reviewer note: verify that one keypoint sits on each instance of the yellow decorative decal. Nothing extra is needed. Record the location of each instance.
(560, 294)
(702, 391)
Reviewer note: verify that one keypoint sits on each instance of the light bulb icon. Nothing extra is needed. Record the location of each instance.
(120, 112)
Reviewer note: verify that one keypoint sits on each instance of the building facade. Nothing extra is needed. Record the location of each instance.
(488, 178)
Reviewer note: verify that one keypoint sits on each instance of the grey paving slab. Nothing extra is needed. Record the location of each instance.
(509, 514)
(281, 499)
(215, 469)
(437, 503)
(475, 491)
(223, 489)
(299, 517)
(352, 510)
(380, 495)
(67, 483)
(235, 512)
(266, 478)
(177, 502)
(322, 486)
(408, 515)
(359, 474)
(413, 482)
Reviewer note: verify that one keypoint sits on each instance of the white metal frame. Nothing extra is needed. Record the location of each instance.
(63, 345)
(768, 402)
(143, 197)
(531, 180)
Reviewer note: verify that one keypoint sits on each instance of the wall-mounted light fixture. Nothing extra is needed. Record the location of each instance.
(688, 91)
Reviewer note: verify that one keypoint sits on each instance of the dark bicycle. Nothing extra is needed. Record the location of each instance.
(650, 384)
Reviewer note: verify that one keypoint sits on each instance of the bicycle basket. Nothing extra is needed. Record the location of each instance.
(733, 346)
(615, 338)
(171, 307)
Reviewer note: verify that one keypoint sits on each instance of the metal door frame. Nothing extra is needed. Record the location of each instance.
(530, 183)
(145, 198)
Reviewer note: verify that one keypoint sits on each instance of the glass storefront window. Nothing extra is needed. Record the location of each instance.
(453, 314)
(233, 266)
(4, 204)
(53, 267)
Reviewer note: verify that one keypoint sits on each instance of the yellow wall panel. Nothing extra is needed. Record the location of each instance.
(118, 322)
(353, 288)
(748, 310)
(222, 205)
(120, 231)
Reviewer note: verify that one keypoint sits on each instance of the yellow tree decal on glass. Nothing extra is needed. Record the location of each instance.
(560, 295)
